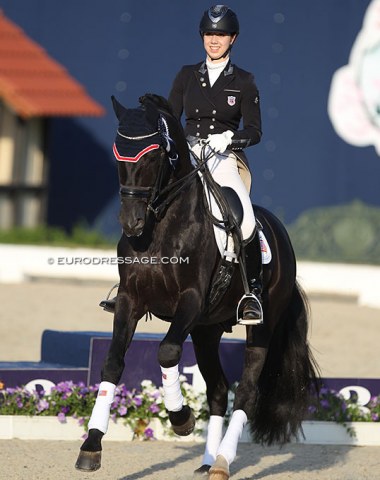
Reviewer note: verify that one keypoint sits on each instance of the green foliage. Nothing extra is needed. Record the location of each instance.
(340, 234)
(81, 235)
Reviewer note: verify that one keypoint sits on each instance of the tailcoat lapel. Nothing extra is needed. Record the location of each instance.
(224, 79)
(204, 83)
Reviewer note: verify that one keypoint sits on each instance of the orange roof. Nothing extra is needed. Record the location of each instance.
(34, 84)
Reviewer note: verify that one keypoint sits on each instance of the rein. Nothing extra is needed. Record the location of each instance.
(172, 191)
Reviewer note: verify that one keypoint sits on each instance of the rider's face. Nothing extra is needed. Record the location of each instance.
(216, 44)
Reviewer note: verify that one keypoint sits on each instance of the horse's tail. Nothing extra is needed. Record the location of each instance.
(289, 375)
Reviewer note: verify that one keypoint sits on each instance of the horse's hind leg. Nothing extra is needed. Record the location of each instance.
(255, 355)
(206, 342)
(89, 458)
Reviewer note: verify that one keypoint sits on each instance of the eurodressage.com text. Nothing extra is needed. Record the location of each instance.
(118, 260)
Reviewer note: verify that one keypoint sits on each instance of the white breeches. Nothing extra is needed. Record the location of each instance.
(224, 170)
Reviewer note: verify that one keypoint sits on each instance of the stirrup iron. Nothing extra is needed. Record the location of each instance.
(107, 304)
(239, 312)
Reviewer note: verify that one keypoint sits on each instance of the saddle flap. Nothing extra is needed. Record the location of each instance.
(234, 203)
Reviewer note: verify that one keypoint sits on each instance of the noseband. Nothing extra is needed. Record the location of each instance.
(135, 192)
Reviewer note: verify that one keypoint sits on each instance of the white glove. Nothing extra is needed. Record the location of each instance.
(220, 141)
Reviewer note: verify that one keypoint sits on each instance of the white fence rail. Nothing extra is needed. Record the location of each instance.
(19, 263)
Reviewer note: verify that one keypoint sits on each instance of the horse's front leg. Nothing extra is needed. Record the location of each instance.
(206, 341)
(245, 397)
(123, 329)
(169, 355)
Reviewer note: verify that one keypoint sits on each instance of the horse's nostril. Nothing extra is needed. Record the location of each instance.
(132, 226)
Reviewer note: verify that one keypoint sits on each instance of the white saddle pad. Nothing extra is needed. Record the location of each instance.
(221, 241)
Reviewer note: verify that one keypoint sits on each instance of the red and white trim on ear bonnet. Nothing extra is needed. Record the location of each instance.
(136, 158)
(131, 149)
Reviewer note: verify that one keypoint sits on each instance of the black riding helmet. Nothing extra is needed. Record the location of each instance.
(219, 19)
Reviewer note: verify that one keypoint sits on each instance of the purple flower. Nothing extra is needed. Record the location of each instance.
(61, 417)
(63, 387)
(81, 421)
(122, 411)
(42, 405)
(83, 391)
(375, 417)
(148, 433)
(138, 401)
(19, 403)
(312, 409)
(325, 403)
(154, 408)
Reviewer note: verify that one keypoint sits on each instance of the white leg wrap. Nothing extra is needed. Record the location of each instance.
(229, 444)
(214, 437)
(173, 398)
(101, 411)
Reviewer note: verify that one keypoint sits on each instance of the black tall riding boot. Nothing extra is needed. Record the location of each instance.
(250, 310)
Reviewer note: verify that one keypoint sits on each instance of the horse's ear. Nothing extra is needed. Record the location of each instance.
(152, 113)
(160, 102)
(118, 108)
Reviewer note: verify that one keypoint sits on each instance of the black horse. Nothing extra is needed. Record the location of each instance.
(163, 214)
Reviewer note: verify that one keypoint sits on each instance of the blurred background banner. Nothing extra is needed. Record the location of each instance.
(320, 145)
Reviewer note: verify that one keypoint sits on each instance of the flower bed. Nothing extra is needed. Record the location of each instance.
(133, 408)
(143, 412)
(331, 406)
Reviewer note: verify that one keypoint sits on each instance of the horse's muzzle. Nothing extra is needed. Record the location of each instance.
(134, 228)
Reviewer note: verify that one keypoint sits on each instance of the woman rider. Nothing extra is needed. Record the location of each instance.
(215, 95)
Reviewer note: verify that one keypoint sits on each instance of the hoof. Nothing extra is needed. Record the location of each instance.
(183, 422)
(201, 472)
(88, 461)
(220, 470)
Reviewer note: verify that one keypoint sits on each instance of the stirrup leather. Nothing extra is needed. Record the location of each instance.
(239, 311)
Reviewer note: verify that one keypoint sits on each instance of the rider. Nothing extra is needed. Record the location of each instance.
(215, 95)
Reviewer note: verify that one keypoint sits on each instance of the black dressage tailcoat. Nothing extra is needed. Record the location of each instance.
(208, 110)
